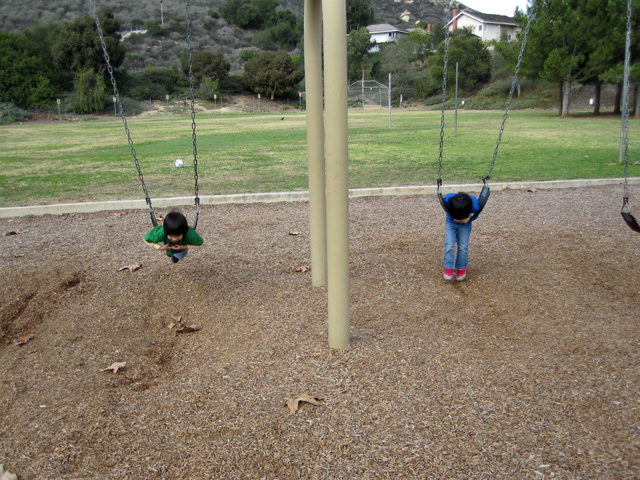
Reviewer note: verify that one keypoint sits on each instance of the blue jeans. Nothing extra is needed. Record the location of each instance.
(456, 233)
(180, 253)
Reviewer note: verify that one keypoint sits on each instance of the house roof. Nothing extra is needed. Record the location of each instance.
(486, 18)
(384, 28)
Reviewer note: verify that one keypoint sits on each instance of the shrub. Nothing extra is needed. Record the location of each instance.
(9, 113)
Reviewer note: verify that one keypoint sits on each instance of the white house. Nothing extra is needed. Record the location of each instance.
(384, 33)
(486, 26)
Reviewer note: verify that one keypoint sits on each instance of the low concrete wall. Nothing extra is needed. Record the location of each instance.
(303, 196)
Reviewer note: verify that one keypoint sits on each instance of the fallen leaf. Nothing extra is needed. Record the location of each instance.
(505, 186)
(532, 190)
(187, 329)
(12, 232)
(19, 255)
(118, 214)
(294, 402)
(637, 163)
(24, 338)
(132, 268)
(115, 367)
(6, 474)
(302, 269)
(294, 233)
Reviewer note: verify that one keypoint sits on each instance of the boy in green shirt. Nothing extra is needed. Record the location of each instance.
(174, 237)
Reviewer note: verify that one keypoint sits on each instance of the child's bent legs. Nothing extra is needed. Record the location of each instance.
(180, 254)
(464, 232)
(450, 240)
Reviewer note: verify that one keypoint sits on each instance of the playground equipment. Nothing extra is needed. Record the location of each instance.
(124, 120)
(485, 192)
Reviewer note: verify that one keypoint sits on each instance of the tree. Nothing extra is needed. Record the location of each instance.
(401, 60)
(90, 88)
(606, 45)
(271, 73)
(285, 30)
(209, 88)
(359, 14)
(206, 64)
(557, 45)
(154, 28)
(249, 14)
(27, 73)
(472, 55)
(358, 57)
(77, 47)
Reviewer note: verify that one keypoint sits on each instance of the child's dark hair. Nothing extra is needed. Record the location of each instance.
(460, 206)
(175, 223)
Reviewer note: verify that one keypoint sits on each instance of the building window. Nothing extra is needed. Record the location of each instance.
(479, 28)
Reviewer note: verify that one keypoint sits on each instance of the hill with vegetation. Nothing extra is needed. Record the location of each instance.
(210, 30)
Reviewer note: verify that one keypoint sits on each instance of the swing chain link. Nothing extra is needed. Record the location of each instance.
(121, 111)
(513, 85)
(193, 115)
(625, 107)
(444, 94)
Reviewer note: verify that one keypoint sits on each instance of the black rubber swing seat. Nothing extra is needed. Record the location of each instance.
(631, 221)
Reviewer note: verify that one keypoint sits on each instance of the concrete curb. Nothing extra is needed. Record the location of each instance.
(303, 196)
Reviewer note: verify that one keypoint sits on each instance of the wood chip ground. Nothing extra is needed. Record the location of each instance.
(529, 369)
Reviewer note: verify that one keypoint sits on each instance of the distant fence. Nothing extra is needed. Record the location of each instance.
(368, 94)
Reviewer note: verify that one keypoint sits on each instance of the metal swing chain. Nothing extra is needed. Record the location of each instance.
(444, 95)
(193, 118)
(625, 107)
(513, 85)
(124, 120)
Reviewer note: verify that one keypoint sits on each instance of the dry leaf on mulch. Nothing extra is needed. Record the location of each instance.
(132, 268)
(7, 475)
(119, 214)
(12, 232)
(294, 402)
(303, 269)
(181, 326)
(294, 233)
(115, 367)
(24, 338)
(532, 190)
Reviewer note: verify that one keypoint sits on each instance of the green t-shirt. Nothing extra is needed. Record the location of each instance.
(157, 235)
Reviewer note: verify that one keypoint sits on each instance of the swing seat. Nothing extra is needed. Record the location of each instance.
(630, 220)
(482, 198)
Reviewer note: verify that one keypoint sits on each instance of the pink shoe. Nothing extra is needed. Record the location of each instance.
(461, 274)
(448, 273)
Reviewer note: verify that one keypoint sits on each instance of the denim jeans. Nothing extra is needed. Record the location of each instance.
(180, 253)
(456, 233)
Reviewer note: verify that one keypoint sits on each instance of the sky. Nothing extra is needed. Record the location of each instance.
(499, 7)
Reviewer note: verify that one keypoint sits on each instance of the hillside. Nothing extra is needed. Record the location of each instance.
(208, 33)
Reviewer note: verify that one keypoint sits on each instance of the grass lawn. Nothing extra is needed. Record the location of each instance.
(52, 162)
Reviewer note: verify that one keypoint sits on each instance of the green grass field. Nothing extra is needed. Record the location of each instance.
(53, 162)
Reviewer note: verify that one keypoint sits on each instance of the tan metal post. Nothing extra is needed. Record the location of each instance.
(315, 139)
(337, 178)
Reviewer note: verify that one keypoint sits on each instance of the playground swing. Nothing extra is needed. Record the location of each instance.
(485, 192)
(124, 120)
(624, 134)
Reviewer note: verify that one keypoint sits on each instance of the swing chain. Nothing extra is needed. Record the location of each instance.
(625, 106)
(444, 94)
(193, 116)
(513, 85)
(121, 111)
